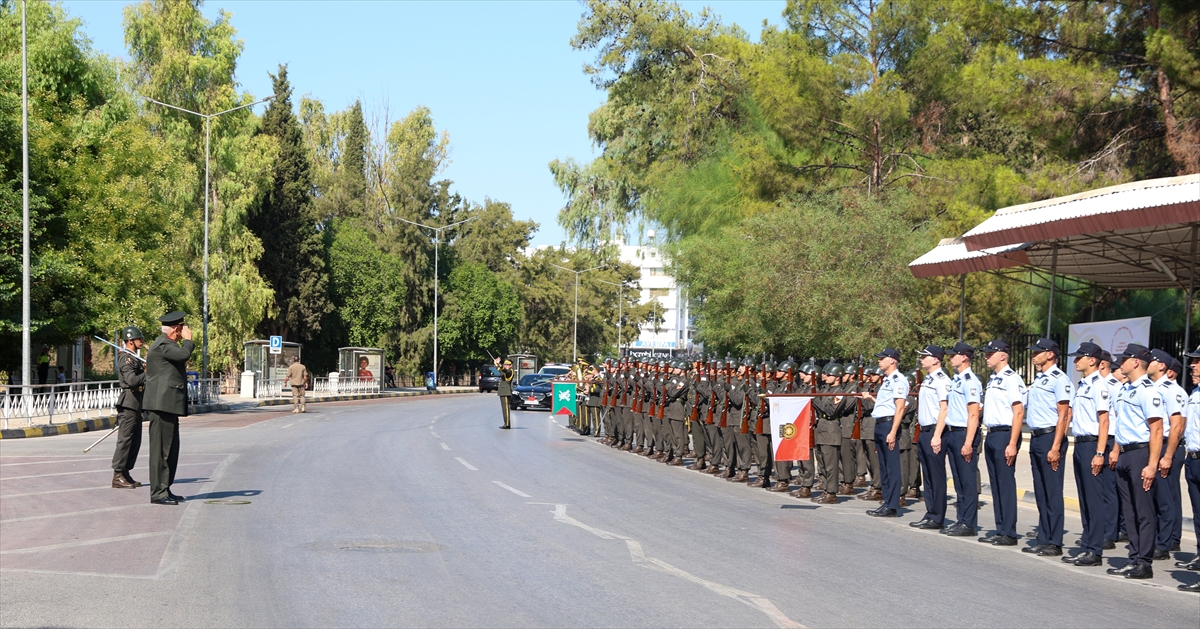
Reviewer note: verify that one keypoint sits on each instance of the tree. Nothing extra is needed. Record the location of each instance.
(481, 315)
(286, 223)
(367, 285)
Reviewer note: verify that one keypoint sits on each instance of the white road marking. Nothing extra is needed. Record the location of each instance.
(435, 435)
(444, 446)
(288, 426)
(468, 465)
(67, 515)
(639, 557)
(512, 489)
(53, 491)
(88, 472)
(62, 460)
(87, 542)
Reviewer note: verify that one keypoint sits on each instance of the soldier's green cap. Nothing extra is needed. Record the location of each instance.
(172, 318)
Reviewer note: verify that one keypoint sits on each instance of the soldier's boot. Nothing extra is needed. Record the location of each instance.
(860, 481)
(130, 480)
(825, 498)
(295, 410)
(903, 502)
(845, 489)
(803, 492)
(714, 469)
(765, 483)
(698, 466)
(740, 477)
(675, 462)
(119, 481)
(912, 493)
(779, 487)
(626, 448)
(872, 494)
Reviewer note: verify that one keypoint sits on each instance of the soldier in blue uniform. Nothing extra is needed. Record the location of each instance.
(932, 407)
(1139, 413)
(1091, 428)
(959, 435)
(1003, 414)
(1048, 416)
(889, 408)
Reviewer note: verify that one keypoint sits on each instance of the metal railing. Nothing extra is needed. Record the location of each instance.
(321, 387)
(47, 402)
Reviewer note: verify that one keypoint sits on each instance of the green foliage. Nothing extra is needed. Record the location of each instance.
(481, 315)
(367, 285)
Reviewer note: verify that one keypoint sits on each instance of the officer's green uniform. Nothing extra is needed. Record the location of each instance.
(132, 376)
(166, 401)
(504, 389)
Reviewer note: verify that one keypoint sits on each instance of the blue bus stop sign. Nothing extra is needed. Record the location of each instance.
(276, 344)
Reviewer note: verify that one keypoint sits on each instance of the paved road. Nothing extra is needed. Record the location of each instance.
(420, 512)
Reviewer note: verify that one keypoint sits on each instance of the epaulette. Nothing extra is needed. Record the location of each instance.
(1007, 371)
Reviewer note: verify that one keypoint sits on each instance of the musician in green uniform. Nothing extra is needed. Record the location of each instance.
(504, 390)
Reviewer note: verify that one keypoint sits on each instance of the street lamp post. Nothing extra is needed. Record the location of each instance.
(26, 359)
(207, 135)
(437, 240)
(575, 339)
(620, 309)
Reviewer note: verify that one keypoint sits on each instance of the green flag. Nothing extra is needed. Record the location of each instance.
(564, 398)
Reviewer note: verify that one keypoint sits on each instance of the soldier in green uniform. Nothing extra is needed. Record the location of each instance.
(594, 390)
(828, 431)
(676, 399)
(910, 466)
(132, 376)
(806, 470)
(504, 390)
(847, 417)
(701, 391)
(869, 457)
(166, 401)
(740, 444)
(760, 423)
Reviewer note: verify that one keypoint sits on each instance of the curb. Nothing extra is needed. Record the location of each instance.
(83, 425)
(361, 396)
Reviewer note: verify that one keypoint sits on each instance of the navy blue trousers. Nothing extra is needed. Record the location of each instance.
(966, 487)
(1192, 471)
(1003, 478)
(1048, 488)
(1168, 501)
(933, 467)
(1137, 504)
(889, 464)
(1097, 508)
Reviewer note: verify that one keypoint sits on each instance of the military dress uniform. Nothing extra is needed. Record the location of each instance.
(675, 394)
(165, 399)
(504, 391)
(699, 403)
(868, 456)
(847, 418)
(965, 390)
(736, 442)
(1090, 401)
(910, 464)
(132, 377)
(1004, 391)
(760, 434)
(934, 391)
(828, 440)
(892, 391)
(1050, 390)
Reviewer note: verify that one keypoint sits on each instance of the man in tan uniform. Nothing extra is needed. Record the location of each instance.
(297, 376)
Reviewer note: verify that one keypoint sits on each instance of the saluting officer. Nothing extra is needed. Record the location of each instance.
(1090, 427)
(504, 390)
(1048, 417)
(132, 376)
(1139, 414)
(1191, 462)
(1003, 414)
(888, 411)
(958, 434)
(932, 408)
(166, 401)
(1167, 498)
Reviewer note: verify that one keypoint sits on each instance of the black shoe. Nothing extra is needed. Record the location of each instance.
(988, 539)
(1087, 559)
(882, 512)
(1050, 550)
(1004, 540)
(1033, 549)
(163, 501)
(1189, 565)
(1195, 587)
(1174, 548)
(960, 530)
(1109, 544)
(930, 526)
(504, 428)
(1123, 569)
(1140, 572)
(920, 523)
(175, 497)
(1160, 554)
(1122, 537)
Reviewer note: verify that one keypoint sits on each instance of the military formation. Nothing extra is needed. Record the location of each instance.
(883, 436)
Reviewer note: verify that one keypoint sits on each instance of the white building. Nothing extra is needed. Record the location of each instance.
(673, 336)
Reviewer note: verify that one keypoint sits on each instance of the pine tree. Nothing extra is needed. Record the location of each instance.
(293, 260)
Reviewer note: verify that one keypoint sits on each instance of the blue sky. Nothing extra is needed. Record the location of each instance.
(500, 77)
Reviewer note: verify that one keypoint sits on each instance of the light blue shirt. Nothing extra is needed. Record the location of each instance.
(1091, 399)
(934, 390)
(1191, 431)
(965, 390)
(1174, 400)
(1138, 402)
(893, 387)
(1114, 387)
(1049, 388)
(1003, 390)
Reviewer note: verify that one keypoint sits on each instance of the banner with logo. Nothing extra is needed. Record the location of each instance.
(1113, 336)
(791, 417)
(564, 399)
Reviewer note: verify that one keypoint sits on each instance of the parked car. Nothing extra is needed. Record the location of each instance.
(532, 391)
(555, 369)
(489, 378)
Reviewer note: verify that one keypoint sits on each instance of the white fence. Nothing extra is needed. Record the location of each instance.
(321, 387)
(59, 403)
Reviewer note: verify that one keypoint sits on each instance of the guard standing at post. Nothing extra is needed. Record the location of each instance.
(1191, 462)
(1139, 413)
(297, 378)
(932, 407)
(1003, 414)
(959, 436)
(888, 411)
(828, 431)
(1048, 416)
(1090, 427)
(166, 401)
(132, 377)
(504, 390)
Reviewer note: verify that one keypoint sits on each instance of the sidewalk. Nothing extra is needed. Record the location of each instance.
(226, 403)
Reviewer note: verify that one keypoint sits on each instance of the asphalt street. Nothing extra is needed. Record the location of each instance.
(420, 512)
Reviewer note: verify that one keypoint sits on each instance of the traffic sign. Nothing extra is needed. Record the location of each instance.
(276, 344)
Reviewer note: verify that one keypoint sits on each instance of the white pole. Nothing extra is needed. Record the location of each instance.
(575, 340)
(437, 233)
(620, 315)
(26, 366)
(204, 315)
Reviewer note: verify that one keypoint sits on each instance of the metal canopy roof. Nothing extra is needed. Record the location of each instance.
(1135, 235)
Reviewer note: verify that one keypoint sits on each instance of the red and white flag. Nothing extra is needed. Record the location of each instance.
(791, 417)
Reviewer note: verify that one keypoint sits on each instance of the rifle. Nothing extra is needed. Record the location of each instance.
(662, 405)
(762, 403)
(725, 407)
(695, 416)
(708, 415)
(857, 434)
(604, 391)
(745, 427)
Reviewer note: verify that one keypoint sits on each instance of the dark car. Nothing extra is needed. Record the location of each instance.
(489, 379)
(532, 391)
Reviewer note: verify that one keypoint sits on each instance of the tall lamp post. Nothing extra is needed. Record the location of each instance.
(26, 359)
(207, 135)
(620, 309)
(575, 339)
(437, 240)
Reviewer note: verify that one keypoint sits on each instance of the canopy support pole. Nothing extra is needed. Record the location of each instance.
(1187, 322)
(962, 307)
(1053, 274)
